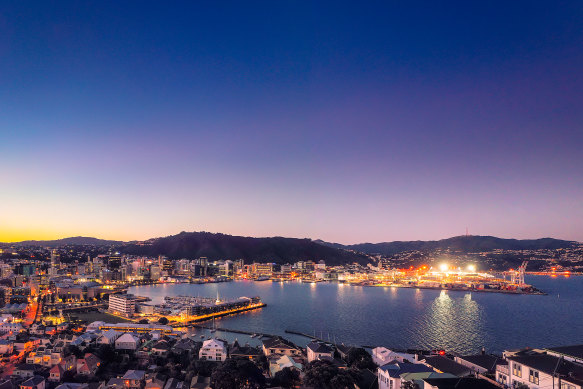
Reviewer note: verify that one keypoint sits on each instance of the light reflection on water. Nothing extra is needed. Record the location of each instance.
(402, 318)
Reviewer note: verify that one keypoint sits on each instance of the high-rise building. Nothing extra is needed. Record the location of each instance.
(122, 304)
(55, 258)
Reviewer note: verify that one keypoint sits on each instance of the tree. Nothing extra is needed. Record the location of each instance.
(163, 320)
(287, 378)
(359, 358)
(143, 321)
(237, 373)
(319, 374)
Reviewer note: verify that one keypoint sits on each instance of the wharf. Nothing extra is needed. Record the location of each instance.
(196, 319)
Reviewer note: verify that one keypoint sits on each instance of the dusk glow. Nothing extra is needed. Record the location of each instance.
(341, 121)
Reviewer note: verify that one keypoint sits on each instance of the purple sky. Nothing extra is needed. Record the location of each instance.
(338, 121)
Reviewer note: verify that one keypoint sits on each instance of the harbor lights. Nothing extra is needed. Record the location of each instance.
(443, 267)
(471, 268)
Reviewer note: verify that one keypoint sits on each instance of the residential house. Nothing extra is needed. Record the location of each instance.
(382, 355)
(155, 381)
(389, 375)
(134, 378)
(6, 346)
(238, 351)
(200, 382)
(56, 373)
(174, 383)
(443, 364)
(26, 370)
(34, 382)
(480, 363)
(109, 337)
(280, 346)
(160, 349)
(316, 350)
(539, 370)
(456, 383)
(278, 364)
(213, 350)
(127, 341)
(88, 365)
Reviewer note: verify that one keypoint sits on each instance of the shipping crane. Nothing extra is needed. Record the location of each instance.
(518, 275)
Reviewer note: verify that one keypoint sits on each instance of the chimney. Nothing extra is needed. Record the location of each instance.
(483, 351)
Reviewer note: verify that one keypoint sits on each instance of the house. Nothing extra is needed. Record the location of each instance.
(389, 375)
(443, 364)
(88, 365)
(280, 346)
(109, 337)
(540, 370)
(34, 382)
(116, 383)
(278, 364)
(185, 345)
(6, 346)
(69, 362)
(56, 373)
(382, 355)
(127, 341)
(134, 378)
(213, 350)
(237, 351)
(480, 363)
(570, 353)
(25, 370)
(160, 349)
(316, 350)
(344, 350)
(11, 328)
(155, 381)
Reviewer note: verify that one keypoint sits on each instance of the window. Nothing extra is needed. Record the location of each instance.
(533, 376)
(565, 385)
(516, 369)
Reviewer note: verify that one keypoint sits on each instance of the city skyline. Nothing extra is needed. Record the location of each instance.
(346, 123)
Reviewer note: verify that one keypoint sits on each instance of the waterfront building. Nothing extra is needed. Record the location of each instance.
(130, 327)
(480, 363)
(316, 350)
(382, 355)
(538, 370)
(122, 304)
(389, 375)
(442, 364)
(279, 345)
(213, 350)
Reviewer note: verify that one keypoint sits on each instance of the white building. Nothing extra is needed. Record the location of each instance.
(540, 370)
(382, 355)
(109, 337)
(213, 350)
(389, 375)
(122, 304)
(14, 328)
(127, 341)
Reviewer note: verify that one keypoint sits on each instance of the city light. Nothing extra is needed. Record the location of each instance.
(471, 268)
(443, 267)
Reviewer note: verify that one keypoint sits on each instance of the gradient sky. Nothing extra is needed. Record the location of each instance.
(343, 121)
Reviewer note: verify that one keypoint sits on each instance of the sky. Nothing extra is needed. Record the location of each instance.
(341, 121)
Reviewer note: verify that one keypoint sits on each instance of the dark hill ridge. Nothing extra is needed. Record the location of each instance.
(465, 244)
(73, 241)
(219, 246)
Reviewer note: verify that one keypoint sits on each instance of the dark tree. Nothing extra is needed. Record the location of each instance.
(143, 321)
(319, 374)
(237, 373)
(163, 320)
(359, 358)
(287, 378)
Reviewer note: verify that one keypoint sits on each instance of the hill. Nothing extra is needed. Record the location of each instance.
(464, 244)
(221, 246)
(72, 241)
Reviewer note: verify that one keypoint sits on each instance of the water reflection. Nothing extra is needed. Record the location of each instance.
(451, 323)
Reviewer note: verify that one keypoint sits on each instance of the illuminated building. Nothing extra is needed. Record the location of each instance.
(122, 304)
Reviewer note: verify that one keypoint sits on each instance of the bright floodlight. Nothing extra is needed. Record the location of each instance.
(443, 267)
(472, 268)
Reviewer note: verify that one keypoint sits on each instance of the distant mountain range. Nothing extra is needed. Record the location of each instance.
(221, 246)
(465, 244)
(282, 250)
(73, 241)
